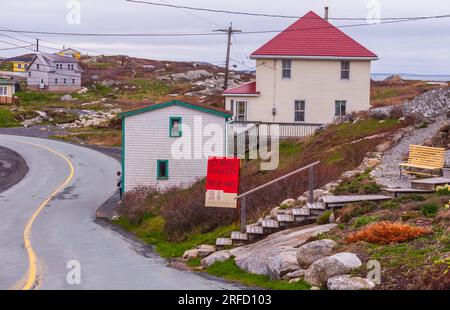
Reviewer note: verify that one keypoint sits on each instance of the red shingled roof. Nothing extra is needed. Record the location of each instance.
(245, 89)
(311, 36)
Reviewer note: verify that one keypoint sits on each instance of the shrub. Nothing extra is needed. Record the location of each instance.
(362, 184)
(355, 210)
(383, 233)
(135, 206)
(430, 210)
(411, 198)
(443, 190)
(390, 205)
(363, 221)
(324, 218)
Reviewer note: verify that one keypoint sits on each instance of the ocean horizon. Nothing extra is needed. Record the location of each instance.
(410, 76)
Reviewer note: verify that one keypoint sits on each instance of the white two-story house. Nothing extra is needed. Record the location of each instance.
(54, 73)
(311, 72)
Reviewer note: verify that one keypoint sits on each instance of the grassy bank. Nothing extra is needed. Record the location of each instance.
(229, 271)
(151, 231)
(7, 119)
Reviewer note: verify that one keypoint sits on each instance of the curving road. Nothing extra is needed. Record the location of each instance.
(47, 222)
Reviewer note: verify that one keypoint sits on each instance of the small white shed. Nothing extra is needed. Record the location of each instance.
(167, 145)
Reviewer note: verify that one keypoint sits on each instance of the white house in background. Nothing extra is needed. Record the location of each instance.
(149, 136)
(54, 73)
(311, 72)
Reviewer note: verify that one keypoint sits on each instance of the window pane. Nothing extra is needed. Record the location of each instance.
(175, 128)
(287, 64)
(338, 108)
(345, 75)
(163, 169)
(343, 108)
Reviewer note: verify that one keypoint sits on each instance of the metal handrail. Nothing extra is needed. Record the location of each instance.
(242, 197)
(278, 180)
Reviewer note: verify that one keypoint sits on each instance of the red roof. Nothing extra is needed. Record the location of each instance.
(310, 36)
(245, 89)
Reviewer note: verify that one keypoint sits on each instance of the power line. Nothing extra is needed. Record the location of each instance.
(256, 14)
(17, 47)
(215, 33)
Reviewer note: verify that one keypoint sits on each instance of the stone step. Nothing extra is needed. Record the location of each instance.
(285, 218)
(429, 184)
(316, 206)
(398, 192)
(270, 224)
(224, 242)
(238, 236)
(341, 201)
(301, 212)
(255, 230)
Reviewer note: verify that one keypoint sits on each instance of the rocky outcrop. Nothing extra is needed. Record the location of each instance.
(349, 283)
(221, 256)
(311, 252)
(282, 264)
(430, 104)
(255, 258)
(332, 266)
(200, 251)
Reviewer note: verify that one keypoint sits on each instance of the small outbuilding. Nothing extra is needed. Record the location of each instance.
(168, 145)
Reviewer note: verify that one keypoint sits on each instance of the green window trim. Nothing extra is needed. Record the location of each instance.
(180, 131)
(158, 170)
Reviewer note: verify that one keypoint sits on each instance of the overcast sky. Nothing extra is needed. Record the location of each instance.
(421, 47)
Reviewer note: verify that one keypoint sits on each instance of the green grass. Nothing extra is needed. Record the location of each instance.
(228, 270)
(353, 131)
(7, 119)
(430, 210)
(324, 218)
(363, 221)
(402, 254)
(151, 231)
(31, 96)
(363, 184)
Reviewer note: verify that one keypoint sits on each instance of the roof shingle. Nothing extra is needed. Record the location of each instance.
(313, 36)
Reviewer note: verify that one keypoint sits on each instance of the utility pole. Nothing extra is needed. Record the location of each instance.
(37, 45)
(230, 31)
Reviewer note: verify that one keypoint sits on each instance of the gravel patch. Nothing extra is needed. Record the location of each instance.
(387, 173)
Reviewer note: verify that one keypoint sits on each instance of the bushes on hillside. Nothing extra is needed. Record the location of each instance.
(383, 233)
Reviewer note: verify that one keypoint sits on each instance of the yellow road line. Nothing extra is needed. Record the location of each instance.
(32, 259)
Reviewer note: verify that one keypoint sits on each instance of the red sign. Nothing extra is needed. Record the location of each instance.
(222, 182)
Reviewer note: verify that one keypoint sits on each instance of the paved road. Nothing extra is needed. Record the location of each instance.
(39, 236)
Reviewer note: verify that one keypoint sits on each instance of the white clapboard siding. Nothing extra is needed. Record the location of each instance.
(147, 140)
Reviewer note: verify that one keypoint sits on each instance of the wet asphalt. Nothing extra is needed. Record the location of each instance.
(66, 230)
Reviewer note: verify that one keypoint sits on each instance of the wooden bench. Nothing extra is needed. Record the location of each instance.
(424, 161)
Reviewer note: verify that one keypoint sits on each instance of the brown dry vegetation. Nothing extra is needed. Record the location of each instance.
(386, 233)
(386, 93)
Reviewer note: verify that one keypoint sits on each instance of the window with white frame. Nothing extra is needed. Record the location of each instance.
(287, 69)
(241, 111)
(340, 108)
(3, 90)
(56, 81)
(300, 107)
(345, 70)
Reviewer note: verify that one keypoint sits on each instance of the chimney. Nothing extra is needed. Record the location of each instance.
(326, 13)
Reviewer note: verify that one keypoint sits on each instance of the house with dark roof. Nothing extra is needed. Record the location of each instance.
(312, 72)
(54, 73)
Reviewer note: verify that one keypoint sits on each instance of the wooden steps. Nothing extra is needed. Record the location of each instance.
(429, 184)
(341, 201)
(398, 192)
(222, 242)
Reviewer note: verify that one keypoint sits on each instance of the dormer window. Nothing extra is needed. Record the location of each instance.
(287, 69)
